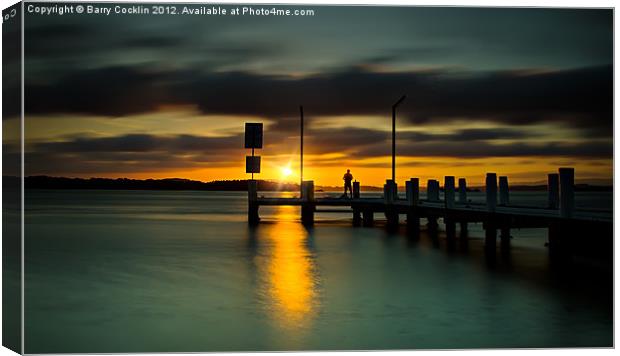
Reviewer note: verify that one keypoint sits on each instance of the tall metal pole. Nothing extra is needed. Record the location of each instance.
(393, 143)
(301, 150)
(394, 136)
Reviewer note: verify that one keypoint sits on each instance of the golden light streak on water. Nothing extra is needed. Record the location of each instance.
(291, 278)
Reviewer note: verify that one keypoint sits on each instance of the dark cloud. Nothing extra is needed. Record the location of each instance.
(59, 31)
(469, 135)
(466, 143)
(133, 153)
(143, 152)
(579, 98)
(481, 149)
(158, 42)
(145, 143)
(115, 91)
(486, 66)
(424, 53)
(50, 41)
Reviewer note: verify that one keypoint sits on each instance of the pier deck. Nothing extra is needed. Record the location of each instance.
(568, 226)
(468, 211)
(378, 205)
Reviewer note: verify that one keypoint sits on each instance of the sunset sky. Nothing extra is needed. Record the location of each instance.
(519, 92)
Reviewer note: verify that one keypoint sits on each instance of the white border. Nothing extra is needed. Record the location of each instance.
(479, 3)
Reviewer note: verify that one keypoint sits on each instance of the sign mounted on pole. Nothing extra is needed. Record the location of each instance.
(252, 164)
(253, 135)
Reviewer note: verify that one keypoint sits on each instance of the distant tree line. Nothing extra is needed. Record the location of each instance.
(46, 182)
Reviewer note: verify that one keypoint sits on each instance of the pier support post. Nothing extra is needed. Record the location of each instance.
(368, 218)
(463, 236)
(432, 222)
(253, 217)
(412, 188)
(357, 215)
(390, 191)
(390, 194)
(307, 202)
(504, 237)
(490, 229)
(490, 236)
(491, 191)
(504, 199)
(561, 240)
(356, 190)
(567, 192)
(462, 191)
(463, 230)
(432, 190)
(432, 195)
(448, 192)
(553, 190)
(553, 238)
(450, 229)
(559, 234)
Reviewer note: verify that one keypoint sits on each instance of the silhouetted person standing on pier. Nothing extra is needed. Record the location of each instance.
(348, 177)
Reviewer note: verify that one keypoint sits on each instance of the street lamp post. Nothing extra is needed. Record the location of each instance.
(394, 136)
(301, 148)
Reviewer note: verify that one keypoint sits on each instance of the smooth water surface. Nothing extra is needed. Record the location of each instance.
(128, 271)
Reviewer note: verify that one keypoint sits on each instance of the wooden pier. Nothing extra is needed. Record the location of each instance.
(560, 216)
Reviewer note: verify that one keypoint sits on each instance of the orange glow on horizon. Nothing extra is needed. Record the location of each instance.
(324, 165)
(374, 172)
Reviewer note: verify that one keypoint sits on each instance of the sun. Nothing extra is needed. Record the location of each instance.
(286, 171)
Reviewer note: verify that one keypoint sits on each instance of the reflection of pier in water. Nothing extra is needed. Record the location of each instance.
(566, 225)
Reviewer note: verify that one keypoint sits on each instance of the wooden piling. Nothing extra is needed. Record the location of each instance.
(307, 202)
(357, 214)
(567, 192)
(356, 190)
(490, 229)
(435, 190)
(504, 236)
(450, 232)
(462, 191)
(490, 236)
(448, 192)
(450, 228)
(463, 229)
(491, 191)
(503, 191)
(253, 217)
(390, 192)
(357, 217)
(433, 229)
(412, 188)
(390, 195)
(429, 190)
(463, 235)
(432, 190)
(368, 218)
(559, 236)
(553, 190)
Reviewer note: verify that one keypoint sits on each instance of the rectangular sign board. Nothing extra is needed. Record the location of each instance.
(253, 135)
(252, 164)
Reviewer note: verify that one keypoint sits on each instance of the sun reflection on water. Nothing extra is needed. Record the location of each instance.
(288, 270)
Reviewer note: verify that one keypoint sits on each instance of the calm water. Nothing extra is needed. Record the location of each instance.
(128, 271)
